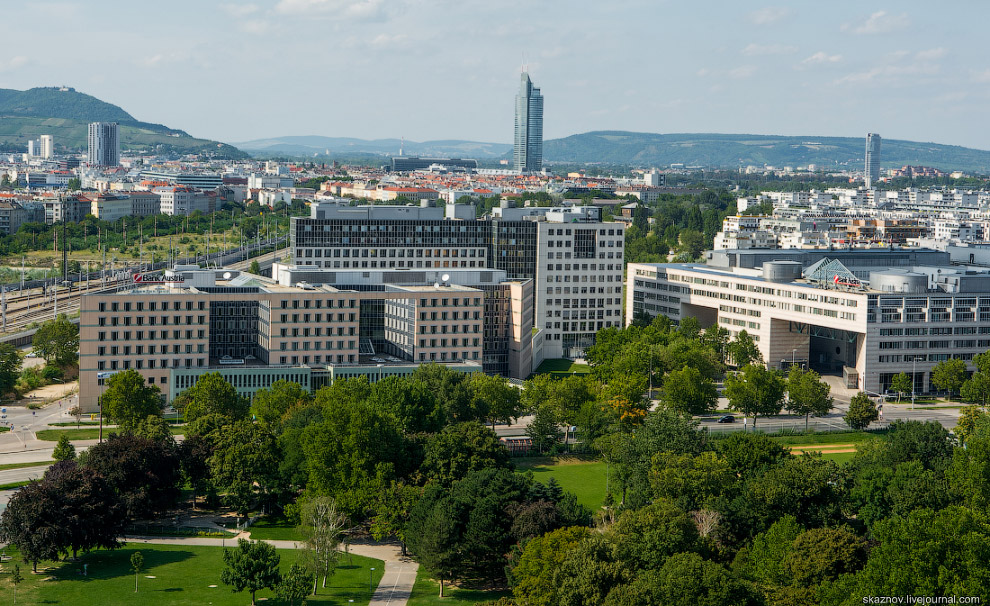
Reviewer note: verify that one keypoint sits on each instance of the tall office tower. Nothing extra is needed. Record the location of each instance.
(33, 148)
(527, 153)
(872, 159)
(47, 147)
(104, 145)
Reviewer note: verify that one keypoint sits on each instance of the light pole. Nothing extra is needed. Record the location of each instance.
(371, 579)
(914, 369)
(793, 351)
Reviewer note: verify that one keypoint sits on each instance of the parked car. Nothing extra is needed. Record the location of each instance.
(727, 419)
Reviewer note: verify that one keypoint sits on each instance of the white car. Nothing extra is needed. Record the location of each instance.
(31, 355)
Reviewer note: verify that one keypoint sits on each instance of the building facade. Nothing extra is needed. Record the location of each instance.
(898, 320)
(872, 169)
(173, 329)
(575, 259)
(527, 151)
(104, 144)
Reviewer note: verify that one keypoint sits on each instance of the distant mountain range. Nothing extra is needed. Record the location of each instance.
(310, 145)
(649, 149)
(65, 113)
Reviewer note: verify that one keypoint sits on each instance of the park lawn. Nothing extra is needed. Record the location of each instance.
(582, 476)
(561, 367)
(14, 485)
(89, 433)
(274, 529)
(183, 575)
(6, 466)
(839, 457)
(824, 437)
(426, 592)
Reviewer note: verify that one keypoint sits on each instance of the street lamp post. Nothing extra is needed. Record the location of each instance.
(914, 370)
(371, 580)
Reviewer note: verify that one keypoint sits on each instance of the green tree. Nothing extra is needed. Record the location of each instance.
(144, 473)
(824, 554)
(246, 456)
(902, 384)
(976, 389)
(687, 578)
(15, 578)
(434, 541)
(544, 430)
(129, 399)
(74, 184)
(295, 584)
(943, 553)
(460, 449)
(252, 566)
(137, 564)
(807, 394)
(270, 405)
(949, 375)
(34, 522)
(254, 268)
(534, 577)
(211, 394)
(748, 454)
(322, 528)
(970, 418)
(494, 395)
(10, 367)
(743, 350)
(64, 450)
(756, 391)
(688, 392)
(862, 411)
(770, 551)
(692, 482)
(57, 341)
(644, 538)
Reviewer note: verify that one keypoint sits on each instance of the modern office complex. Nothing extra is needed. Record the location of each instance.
(872, 159)
(104, 144)
(411, 163)
(574, 257)
(867, 314)
(527, 152)
(175, 327)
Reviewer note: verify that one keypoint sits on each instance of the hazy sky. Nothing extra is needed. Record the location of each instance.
(446, 69)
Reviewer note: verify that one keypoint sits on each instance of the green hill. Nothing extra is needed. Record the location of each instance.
(66, 113)
(721, 150)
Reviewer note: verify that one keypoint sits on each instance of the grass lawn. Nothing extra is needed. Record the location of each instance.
(14, 485)
(561, 367)
(274, 529)
(3, 429)
(183, 575)
(23, 465)
(426, 592)
(839, 457)
(52, 435)
(825, 437)
(585, 477)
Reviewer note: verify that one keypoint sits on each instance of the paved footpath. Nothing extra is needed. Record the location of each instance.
(393, 590)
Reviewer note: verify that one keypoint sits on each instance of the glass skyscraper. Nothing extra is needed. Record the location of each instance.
(527, 153)
(872, 159)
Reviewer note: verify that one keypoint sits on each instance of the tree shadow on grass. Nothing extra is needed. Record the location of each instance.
(109, 564)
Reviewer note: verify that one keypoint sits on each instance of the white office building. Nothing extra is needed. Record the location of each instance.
(104, 144)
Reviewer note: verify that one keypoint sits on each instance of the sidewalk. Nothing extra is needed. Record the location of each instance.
(393, 590)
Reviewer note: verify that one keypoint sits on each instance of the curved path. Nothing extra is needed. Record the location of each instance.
(393, 590)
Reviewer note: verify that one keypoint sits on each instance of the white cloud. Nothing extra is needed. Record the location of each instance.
(822, 57)
(981, 76)
(890, 73)
(701, 73)
(254, 26)
(755, 50)
(931, 54)
(879, 22)
(743, 71)
(13, 63)
(353, 9)
(769, 15)
(239, 11)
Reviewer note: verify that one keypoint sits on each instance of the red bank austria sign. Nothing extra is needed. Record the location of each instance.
(157, 279)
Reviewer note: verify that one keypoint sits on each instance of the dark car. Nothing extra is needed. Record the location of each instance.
(727, 419)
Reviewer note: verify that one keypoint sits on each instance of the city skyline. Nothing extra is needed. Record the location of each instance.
(756, 70)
